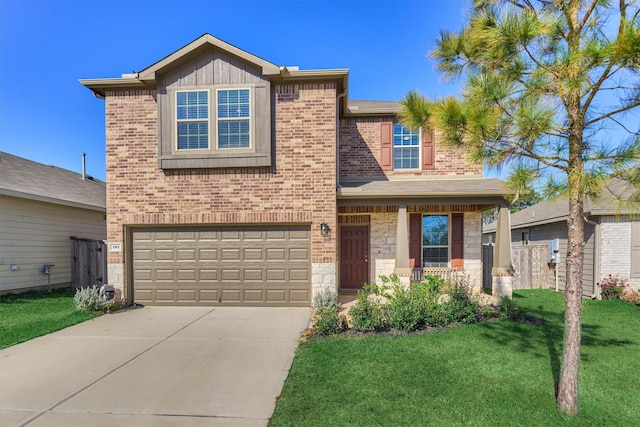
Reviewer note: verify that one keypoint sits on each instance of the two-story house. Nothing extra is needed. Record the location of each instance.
(231, 180)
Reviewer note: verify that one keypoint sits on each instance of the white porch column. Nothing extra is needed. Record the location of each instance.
(502, 270)
(402, 244)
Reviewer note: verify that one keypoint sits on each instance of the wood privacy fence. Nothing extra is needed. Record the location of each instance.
(88, 262)
(531, 270)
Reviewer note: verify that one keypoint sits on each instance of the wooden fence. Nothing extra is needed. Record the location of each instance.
(88, 263)
(531, 270)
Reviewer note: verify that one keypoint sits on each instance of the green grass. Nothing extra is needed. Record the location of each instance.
(32, 314)
(489, 374)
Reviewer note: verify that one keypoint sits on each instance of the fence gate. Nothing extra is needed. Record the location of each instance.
(88, 262)
(487, 264)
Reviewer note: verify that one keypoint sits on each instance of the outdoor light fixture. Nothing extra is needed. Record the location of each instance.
(324, 229)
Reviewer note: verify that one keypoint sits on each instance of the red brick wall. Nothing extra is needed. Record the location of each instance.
(301, 188)
(360, 153)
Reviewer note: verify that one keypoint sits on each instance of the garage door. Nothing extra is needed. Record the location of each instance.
(222, 266)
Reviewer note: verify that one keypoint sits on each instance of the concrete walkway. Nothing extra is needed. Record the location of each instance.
(153, 366)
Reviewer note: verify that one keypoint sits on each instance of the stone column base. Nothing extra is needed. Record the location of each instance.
(501, 286)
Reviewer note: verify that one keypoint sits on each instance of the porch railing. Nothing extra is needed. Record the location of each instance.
(418, 274)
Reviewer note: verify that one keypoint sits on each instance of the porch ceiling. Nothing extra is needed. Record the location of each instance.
(481, 191)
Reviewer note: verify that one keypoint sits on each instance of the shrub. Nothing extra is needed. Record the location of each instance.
(89, 299)
(368, 313)
(415, 306)
(325, 299)
(328, 322)
(460, 306)
(612, 287)
(630, 295)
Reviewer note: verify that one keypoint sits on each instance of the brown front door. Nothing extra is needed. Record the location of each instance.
(354, 256)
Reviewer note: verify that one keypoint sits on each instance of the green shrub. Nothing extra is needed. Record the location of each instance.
(328, 322)
(368, 313)
(89, 299)
(414, 306)
(460, 306)
(612, 287)
(325, 299)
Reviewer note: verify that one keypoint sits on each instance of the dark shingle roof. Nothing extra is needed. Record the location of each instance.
(24, 178)
(438, 187)
(612, 201)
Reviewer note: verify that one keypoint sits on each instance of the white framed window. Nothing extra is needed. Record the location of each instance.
(435, 240)
(192, 119)
(233, 118)
(406, 148)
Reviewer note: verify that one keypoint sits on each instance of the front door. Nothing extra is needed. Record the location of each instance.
(354, 256)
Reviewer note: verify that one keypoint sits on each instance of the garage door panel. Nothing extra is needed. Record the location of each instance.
(274, 254)
(242, 265)
(230, 254)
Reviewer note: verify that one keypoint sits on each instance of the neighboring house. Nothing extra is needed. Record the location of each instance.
(612, 235)
(232, 180)
(41, 207)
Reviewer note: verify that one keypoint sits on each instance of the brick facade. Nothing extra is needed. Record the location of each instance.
(360, 153)
(300, 188)
(615, 249)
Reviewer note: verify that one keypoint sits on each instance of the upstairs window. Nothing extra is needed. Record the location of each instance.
(406, 148)
(234, 118)
(435, 240)
(192, 114)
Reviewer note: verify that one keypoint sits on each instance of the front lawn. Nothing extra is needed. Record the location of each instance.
(486, 374)
(32, 314)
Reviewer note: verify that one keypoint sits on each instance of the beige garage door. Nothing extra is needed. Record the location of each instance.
(222, 266)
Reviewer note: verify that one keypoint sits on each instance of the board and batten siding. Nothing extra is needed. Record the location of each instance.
(209, 70)
(542, 234)
(34, 233)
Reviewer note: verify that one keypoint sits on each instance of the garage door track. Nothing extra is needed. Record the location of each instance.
(154, 366)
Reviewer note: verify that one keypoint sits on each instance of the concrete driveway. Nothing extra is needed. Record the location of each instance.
(153, 366)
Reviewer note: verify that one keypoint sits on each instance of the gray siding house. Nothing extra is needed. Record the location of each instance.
(612, 235)
(41, 208)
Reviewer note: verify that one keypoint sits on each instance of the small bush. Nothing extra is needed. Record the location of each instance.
(630, 295)
(415, 306)
(612, 287)
(325, 299)
(328, 322)
(89, 299)
(460, 307)
(368, 313)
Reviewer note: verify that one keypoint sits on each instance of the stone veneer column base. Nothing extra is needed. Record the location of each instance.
(501, 286)
(323, 275)
(115, 275)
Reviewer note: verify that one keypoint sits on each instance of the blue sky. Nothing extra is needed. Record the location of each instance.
(46, 46)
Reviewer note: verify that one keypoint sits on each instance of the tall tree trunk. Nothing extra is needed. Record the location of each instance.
(568, 383)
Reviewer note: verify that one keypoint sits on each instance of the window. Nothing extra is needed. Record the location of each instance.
(192, 114)
(525, 237)
(234, 112)
(406, 148)
(435, 241)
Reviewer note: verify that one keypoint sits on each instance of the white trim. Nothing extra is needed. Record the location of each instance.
(418, 147)
(175, 119)
(251, 118)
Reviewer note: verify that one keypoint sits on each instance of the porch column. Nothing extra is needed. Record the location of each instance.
(402, 244)
(502, 270)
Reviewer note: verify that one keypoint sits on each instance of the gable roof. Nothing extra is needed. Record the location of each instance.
(27, 179)
(612, 201)
(146, 78)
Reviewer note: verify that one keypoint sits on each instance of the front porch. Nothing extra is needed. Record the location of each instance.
(392, 227)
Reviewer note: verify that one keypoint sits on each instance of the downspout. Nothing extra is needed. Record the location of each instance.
(596, 253)
(338, 137)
